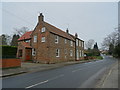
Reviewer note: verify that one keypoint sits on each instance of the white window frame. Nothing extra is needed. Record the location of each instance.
(35, 38)
(82, 44)
(77, 41)
(71, 53)
(57, 52)
(80, 53)
(43, 39)
(43, 29)
(65, 41)
(33, 52)
(65, 51)
(71, 43)
(27, 40)
(56, 39)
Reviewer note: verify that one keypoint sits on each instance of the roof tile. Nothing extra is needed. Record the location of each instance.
(25, 36)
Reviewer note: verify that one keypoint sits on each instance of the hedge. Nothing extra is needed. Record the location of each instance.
(8, 51)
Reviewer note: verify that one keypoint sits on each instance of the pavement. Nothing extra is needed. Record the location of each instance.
(110, 78)
(27, 67)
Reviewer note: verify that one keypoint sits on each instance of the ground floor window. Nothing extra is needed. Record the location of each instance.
(71, 53)
(77, 53)
(57, 53)
(33, 52)
(80, 53)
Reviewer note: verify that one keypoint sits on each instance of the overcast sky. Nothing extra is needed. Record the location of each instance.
(89, 19)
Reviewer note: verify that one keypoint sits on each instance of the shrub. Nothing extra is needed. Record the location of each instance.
(8, 51)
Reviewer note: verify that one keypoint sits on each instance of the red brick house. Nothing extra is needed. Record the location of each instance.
(48, 44)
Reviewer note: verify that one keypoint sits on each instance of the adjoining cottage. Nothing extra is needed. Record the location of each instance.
(48, 44)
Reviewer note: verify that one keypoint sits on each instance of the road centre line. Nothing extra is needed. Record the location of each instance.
(37, 84)
(82, 68)
(89, 63)
(44, 81)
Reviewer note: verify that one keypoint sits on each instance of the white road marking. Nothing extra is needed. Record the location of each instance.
(76, 70)
(56, 77)
(45, 81)
(82, 68)
(37, 84)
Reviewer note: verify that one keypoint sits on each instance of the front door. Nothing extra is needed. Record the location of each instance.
(28, 54)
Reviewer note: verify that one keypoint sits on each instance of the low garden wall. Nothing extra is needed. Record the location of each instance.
(8, 57)
(10, 63)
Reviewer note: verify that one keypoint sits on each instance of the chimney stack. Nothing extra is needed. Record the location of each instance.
(41, 18)
(76, 35)
(67, 31)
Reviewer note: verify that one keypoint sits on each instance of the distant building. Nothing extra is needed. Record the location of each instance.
(48, 44)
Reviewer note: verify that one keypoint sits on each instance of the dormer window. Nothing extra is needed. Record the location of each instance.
(56, 39)
(43, 29)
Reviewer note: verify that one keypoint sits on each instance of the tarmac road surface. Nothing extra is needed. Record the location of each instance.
(84, 75)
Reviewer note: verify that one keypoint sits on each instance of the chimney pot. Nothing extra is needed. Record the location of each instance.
(76, 35)
(67, 31)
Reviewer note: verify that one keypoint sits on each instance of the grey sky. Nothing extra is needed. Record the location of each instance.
(89, 19)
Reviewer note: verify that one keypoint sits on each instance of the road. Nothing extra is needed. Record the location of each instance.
(84, 75)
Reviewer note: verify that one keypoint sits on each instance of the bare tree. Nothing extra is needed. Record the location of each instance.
(110, 39)
(89, 43)
(21, 31)
(5, 39)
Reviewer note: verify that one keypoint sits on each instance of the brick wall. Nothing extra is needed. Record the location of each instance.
(21, 47)
(7, 63)
(62, 47)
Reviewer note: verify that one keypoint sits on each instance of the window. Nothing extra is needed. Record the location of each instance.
(82, 44)
(56, 39)
(65, 51)
(27, 41)
(43, 39)
(71, 43)
(80, 53)
(71, 53)
(76, 42)
(65, 57)
(20, 53)
(65, 41)
(43, 29)
(35, 38)
(57, 53)
(33, 52)
(79, 43)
